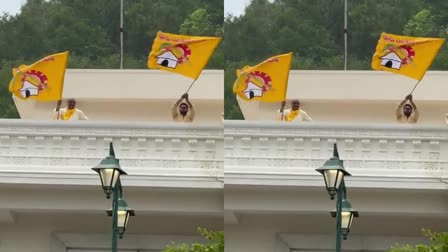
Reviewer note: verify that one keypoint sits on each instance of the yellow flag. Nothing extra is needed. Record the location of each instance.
(42, 80)
(410, 56)
(267, 81)
(182, 54)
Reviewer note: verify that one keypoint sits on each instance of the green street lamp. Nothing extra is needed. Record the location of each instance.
(347, 215)
(123, 213)
(110, 171)
(334, 172)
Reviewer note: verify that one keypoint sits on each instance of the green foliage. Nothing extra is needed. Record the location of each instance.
(7, 107)
(198, 23)
(422, 24)
(439, 243)
(216, 243)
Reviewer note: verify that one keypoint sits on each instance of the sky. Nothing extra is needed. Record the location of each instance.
(11, 7)
(234, 7)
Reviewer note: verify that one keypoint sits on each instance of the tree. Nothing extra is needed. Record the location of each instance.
(422, 25)
(198, 23)
(216, 243)
(439, 243)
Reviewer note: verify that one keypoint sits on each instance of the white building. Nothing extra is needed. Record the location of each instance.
(275, 201)
(50, 198)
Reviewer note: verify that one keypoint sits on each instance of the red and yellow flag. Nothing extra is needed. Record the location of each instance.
(42, 80)
(409, 56)
(267, 81)
(182, 54)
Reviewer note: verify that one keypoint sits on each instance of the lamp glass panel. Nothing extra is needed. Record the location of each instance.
(108, 176)
(346, 219)
(333, 178)
(122, 216)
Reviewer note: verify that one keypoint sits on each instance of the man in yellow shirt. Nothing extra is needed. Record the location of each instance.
(294, 114)
(69, 113)
(407, 112)
(183, 111)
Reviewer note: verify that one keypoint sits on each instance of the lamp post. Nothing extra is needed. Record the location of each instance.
(110, 171)
(333, 171)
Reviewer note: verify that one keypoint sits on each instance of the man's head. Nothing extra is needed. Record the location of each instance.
(295, 104)
(407, 110)
(183, 108)
(71, 103)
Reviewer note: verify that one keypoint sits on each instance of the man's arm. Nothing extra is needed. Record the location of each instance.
(190, 106)
(57, 111)
(306, 117)
(282, 115)
(416, 114)
(412, 103)
(179, 101)
(187, 100)
(175, 108)
(281, 111)
(414, 107)
(192, 112)
(82, 116)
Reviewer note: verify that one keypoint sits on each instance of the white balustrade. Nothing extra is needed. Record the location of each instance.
(153, 154)
(378, 155)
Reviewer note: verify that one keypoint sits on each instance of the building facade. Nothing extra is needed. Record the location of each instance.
(274, 200)
(53, 201)
(255, 178)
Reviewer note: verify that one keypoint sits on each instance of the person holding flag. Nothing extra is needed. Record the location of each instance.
(409, 56)
(184, 55)
(68, 113)
(265, 82)
(295, 114)
(183, 111)
(407, 112)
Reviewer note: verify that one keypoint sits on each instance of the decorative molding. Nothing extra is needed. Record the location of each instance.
(67, 150)
(391, 152)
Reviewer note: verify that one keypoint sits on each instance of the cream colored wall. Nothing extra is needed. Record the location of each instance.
(359, 96)
(36, 231)
(261, 232)
(356, 111)
(133, 95)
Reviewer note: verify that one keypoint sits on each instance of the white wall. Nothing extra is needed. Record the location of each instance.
(133, 95)
(55, 231)
(271, 232)
(358, 96)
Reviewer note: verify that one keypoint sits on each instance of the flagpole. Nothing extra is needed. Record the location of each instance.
(121, 34)
(190, 86)
(415, 86)
(345, 35)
